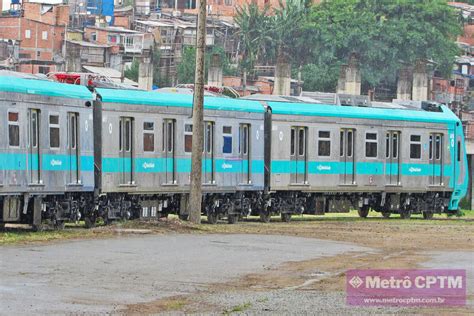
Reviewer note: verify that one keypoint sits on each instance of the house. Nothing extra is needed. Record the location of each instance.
(39, 29)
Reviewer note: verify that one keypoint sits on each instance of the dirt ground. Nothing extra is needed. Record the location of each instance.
(399, 243)
(395, 243)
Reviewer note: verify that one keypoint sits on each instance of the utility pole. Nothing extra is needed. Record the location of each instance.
(195, 197)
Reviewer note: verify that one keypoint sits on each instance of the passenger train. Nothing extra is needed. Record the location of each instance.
(67, 152)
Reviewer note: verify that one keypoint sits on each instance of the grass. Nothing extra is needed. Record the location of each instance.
(19, 235)
(238, 308)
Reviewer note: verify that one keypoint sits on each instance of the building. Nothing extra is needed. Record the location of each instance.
(38, 31)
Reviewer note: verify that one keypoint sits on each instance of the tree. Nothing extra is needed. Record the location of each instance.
(253, 33)
(384, 36)
(186, 67)
(132, 71)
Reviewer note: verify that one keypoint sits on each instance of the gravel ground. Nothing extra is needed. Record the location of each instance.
(101, 276)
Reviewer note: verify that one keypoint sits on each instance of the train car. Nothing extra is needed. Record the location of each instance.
(46, 151)
(143, 146)
(325, 158)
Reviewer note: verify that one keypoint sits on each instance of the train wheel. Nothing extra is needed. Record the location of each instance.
(386, 214)
(39, 227)
(363, 211)
(90, 222)
(286, 217)
(232, 219)
(212, 218)
(184, 217)
(405, 214)
(59, 225)
(265, 217)
(428, 215)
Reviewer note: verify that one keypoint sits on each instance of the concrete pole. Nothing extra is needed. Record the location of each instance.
(195, 197)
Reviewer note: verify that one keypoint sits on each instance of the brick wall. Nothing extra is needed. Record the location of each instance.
(10, 28)
(58, 15)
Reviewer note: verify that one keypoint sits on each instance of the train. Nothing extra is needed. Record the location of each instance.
(69, 152)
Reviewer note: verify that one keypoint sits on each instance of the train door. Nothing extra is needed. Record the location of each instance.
(73, 147)
(34, 157)
(244, 149)
(347, 156)
(392, 158)
(436, 159)
(298, 172)
(168, 150)
(126, 149)
(208, 152)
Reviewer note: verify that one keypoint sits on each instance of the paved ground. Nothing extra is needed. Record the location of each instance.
(92, 276)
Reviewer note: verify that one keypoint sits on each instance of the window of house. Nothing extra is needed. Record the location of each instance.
(94, 36)
(188, 138)
(112, 38)
(324, 143)
(415, 147)
(54, 131)
(13, 129)
(228, 2)
(149, 136)
(27, 33)
(43, 69)
(44, 35)
(227, 139)
(371, 145)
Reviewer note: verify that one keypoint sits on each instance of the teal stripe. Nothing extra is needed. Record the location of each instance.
(182, 165)
(49, 162)
(13, 161)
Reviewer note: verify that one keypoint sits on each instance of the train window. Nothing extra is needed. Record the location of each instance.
(120, 136)
(415, 147)
(227, 140)
(54, 131)
(170, 133)
(459, 151)
(73, 130)
(395, 145)
(13, 129)
(245, 139)
(341, 144)
(324, 143)
(128, 131)
(438, 147)
(350, 143)
(208, 137)
(293, 143)
(387, 145)
(431, 147)
(371, 145)
(302, 141)
(188, 138)
(149, 136)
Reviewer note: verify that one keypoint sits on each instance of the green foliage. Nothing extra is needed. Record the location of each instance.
(132, 71)
(187, 67)
(384, 35)
(253, 32)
